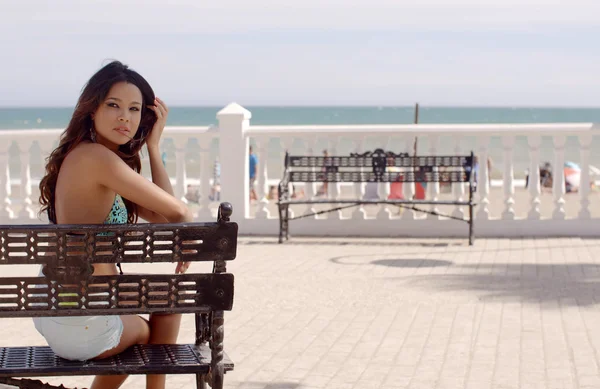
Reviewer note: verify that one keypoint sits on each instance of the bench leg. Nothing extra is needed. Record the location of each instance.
(216, 366)
(200, 383)
(284, 222)
(287, 222)
(280, 208)
(471, 225)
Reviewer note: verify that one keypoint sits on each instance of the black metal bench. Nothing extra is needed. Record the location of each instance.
(70, 289)
(373, 167)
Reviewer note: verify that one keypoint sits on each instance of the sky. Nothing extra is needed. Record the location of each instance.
(308, 52)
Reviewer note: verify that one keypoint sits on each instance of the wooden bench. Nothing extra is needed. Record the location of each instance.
(374, 167)
(69, 288)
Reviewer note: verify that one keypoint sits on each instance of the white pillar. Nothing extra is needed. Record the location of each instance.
(234, 120)
(180, 168)
(359, 212)
(26, 213)
(408, 188)
(458, 188)
(6, 212)
(383, 189)
(534, 176)
(262, 186)
(584, 188)
(558, 177)
(483, 183)
(434, 187)
(334, 187)
(204, 213)
(309, 190)
(509, 188)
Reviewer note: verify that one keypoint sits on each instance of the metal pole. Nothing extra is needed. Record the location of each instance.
(416, 121)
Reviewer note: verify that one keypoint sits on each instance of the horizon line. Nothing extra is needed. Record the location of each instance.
(421, 106)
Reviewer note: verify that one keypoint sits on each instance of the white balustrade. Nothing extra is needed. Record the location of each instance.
(263, 177)
(286, 143)
(434, 187)
(234, 131)
(26, 211)
(584, 187)
(309, 190)
(558, 177)
(458, 188)
(483, 184)
(180, 167)
(6, 212)
(359, 212)
(533, 180)
(334, 188)
(383, 190)
(508, 143)
(207, 191)
(408, 188)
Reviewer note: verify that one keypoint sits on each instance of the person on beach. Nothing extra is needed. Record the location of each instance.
(253, 162)
(93, 177)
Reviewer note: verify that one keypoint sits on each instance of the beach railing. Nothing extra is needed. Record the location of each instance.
(505, 207)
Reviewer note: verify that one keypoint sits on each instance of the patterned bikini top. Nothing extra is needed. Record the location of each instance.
(118, 212)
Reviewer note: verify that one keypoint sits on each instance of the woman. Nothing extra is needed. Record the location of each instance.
(92, 177)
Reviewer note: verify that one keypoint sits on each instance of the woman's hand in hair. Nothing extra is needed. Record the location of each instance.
(162, 111)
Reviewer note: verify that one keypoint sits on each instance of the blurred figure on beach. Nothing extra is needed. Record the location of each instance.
(253, 162)
(546, 180)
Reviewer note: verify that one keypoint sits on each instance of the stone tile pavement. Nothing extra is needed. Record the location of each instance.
(397, 313)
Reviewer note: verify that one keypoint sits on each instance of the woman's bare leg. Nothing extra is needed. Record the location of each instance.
(164, 329)
(135, 331)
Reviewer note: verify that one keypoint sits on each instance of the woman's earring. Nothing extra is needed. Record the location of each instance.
(93, 135)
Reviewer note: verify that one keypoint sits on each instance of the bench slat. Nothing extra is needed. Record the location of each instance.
(368, 159)
(347, 201)
(139, 359)
(357, 176)
(126, 243)
(116, 295)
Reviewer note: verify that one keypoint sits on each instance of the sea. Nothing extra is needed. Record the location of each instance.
(43, 117)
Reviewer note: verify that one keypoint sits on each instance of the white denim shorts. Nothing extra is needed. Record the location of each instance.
(80, 338)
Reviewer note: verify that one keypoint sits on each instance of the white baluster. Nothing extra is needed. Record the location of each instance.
(483, 182)
(534, 142)
(286, 144)
(383, 189)
(6, 212)
(45, 152)
(263, 190)
(180, 168)
(26, 212)
(433, 187)
(334, 189)
(508, 143)
(408, 188)
(558, 177)
(309, 186)
(207, 171)
(458, 188)
(584, 188)
(359, 212)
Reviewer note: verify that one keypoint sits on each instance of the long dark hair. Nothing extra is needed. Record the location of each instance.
(78, 130)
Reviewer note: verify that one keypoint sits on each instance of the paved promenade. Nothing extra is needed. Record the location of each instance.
(422, 314)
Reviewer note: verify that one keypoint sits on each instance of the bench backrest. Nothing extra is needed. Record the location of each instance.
(69, 288)
(378, 166)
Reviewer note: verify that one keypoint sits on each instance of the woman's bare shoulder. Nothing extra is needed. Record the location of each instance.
(87, 152)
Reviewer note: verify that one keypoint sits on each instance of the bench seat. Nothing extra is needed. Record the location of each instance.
(39, 361)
